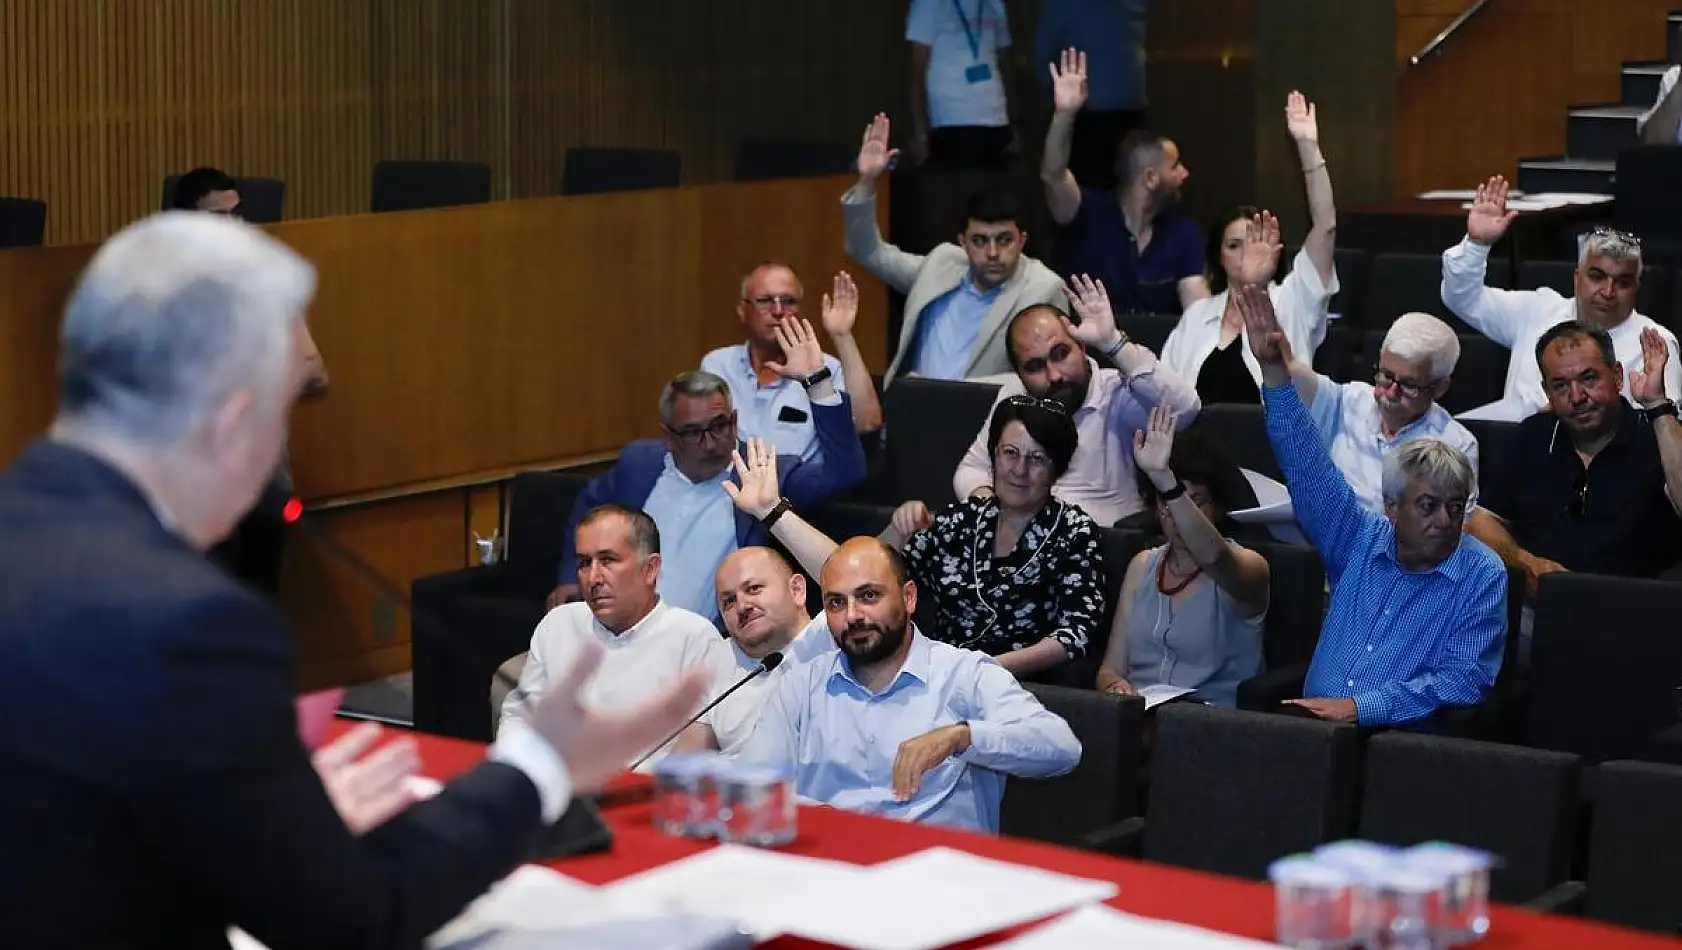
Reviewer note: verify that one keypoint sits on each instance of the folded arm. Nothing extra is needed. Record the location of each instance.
(1010, 732)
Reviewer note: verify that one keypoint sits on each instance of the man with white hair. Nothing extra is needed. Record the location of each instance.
(157, 790)
(1361, 424)
(1606, 282)
(1417, 618)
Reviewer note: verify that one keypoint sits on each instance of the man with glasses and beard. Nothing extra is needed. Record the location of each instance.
(1592, 484)
(898, 725)
(677, 480)
(1048, 352)
(1604, 288)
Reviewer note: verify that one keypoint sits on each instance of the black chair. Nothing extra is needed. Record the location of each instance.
(1644, 192)
(23, 222)
(1495, 440)
(1149, 330)
(1079, 808)
(1635, 846)
(411, 186)
(1605, 666)
(1233, 791)
(496, 607)
(594, 171)
(766, 158)
(1353, 272)
(1653, 299)
(930, 424)
(1517, 803)
(1408, 283)
(1243, 430)
(1341, 354)
(261, 200)
(1480, 376)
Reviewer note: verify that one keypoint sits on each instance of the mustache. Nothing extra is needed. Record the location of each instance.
(861, 627)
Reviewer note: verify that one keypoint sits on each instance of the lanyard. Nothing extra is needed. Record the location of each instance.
(971, 34)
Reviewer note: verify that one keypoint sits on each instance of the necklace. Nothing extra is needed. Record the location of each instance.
(1162, 578)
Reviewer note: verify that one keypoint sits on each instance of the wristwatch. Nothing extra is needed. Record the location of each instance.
(782, 507)
(1666, 408)
(807, 382)
(1173, 493)
(1114, 349)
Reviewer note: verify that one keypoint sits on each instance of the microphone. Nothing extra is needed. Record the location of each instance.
(771, 662)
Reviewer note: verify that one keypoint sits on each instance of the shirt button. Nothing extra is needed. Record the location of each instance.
(1369, 648)
(1351, 684)
(1387, 611)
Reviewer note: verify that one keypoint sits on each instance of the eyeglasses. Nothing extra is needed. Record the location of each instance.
(1616, 235)
(1050, 405)
(785, 301)
(1383, 378)
(1014, 456)
(1577, 506)
(720, 429)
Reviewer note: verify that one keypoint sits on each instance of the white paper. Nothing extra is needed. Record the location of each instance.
(423, 788)
(764, 892)
(1450, 194)
(1273, 509)
(1533, 203)
(1099, 926)
(532, 898)
(1155, 696)
(1572, 197)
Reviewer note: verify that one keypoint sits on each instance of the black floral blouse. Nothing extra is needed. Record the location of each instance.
(1052, 584)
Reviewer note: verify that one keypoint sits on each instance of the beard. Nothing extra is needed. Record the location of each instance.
(888, 640)
(1070, 393)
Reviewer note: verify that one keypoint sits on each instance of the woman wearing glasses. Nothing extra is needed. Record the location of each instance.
(1017, 574)
(1190, 612)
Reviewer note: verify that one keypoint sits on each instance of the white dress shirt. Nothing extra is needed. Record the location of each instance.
(1346, 415)
(1302, 302)
(760, 407)
(733, 720)
(1100, 478)
(1666, 85)
(1516, 319)
(637, 664)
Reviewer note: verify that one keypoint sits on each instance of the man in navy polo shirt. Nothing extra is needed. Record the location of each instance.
(1149, 258)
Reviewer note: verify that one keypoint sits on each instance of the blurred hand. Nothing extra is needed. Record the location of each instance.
(1261, 324)
(564, 594)
(1068, 82)
(1121, 687)
(1335, 710)
(1262, 247)
(367, 790)
(1646, 385)
(911, 517)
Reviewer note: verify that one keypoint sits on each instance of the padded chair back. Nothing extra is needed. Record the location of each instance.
(592, 171)
(23, 222)
(1150, 330)
(1480, 377)
(410, 186)
(765, 158)
(930, 424)
(539, 506)
(1495, 439)
(1605, 665)
(1635, 846)
(1243, 430)
(1353, 271)
(1101, 791)
(261, 200)
(1233, 791)
(1406, 283)
(1517, 803)
(1653, 299)
(1644, 189)
(1341, 353)
(1296, 604)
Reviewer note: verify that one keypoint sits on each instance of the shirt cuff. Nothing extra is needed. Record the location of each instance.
(984, 741)
(833, 400)
(1371, 709)
(528, 752)
(1473, 251)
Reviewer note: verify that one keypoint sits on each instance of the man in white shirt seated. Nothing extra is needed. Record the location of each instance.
(1662, 124)
(769, 404)
(648, 644)
(898, 725)
(763, 603)
(1361, 423)
(1608, 278)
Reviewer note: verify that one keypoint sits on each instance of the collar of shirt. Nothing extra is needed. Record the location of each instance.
(1621, 436)
(1452, 567)
(915, 669)
(620, 640)
(670, 469)
(1431, 420)
(968, 286)
(744, 365)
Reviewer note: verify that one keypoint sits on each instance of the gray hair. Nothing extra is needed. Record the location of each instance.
(747, 279)
(173, 315)
(1417, 336)
(696, 383)
(1605, 242)
(1433, 461)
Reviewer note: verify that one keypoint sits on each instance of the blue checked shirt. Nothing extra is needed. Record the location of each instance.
(1400, 643)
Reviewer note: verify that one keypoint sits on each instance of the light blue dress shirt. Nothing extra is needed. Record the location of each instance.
(699, 520)
(1400, 643)
(948, 328)
(1346, 415)
(841, 740)
(759, 407)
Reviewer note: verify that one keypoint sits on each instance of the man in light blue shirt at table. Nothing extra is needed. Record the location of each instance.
(898, 725)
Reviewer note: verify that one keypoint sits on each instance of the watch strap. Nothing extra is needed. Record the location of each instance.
(1660, 411)
(783, 507)
(808, 382)
(1175, 492)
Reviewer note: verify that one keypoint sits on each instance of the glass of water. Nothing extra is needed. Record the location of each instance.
(756, 806)
(686, 794)
(1367, 863)
(1317, 905)
(1409, 905)
(1464, 911)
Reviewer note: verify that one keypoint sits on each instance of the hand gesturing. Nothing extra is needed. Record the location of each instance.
(1489, 217)
(1068, 84)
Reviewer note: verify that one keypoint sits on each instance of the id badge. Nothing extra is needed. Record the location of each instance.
(980, 72)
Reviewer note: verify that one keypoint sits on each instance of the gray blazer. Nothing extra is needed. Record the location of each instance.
(923, 279)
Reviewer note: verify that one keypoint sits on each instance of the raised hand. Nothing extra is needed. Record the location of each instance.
(1261, 250)
(910, 518)
(841, 309)
(1153, 444)
(1261, 325)
(874, 154)
(758, 491)
(802, 356)
(1646, 385)
(1068, 83)
(1489, 217)
(1091, 302)
(367, 790)
(1301, 119)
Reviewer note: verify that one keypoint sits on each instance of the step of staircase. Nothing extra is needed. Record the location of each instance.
(1574, 175)
(1641, 83)
(1601, 131)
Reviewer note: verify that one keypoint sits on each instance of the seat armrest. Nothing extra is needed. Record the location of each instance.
(1566, 897)
(1126, 839)
(1265, 692)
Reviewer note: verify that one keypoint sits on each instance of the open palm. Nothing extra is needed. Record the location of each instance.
(1068, 81)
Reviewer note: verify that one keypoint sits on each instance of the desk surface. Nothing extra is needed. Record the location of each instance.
(1153, 890)
(1452, 208)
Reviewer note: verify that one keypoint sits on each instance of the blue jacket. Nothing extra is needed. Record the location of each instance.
(804, 484)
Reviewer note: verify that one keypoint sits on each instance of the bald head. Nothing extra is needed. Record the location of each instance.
(1034, 327)
(762, 600)
(1050, 363)
(868, 599)
(871, 556)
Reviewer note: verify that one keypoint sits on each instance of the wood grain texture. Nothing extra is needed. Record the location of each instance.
(100, 99)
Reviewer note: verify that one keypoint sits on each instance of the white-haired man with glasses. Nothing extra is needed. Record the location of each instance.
(1605, 285)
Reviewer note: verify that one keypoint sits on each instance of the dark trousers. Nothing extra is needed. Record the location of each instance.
(255, 551)
(969, 146)
(1092, 150)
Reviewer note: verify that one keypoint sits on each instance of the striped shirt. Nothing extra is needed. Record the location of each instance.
(1400, 643)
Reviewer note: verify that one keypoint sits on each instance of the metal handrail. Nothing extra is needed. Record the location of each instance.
(1448, 31)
